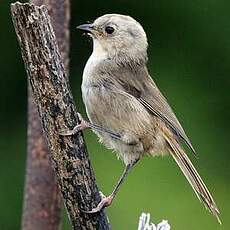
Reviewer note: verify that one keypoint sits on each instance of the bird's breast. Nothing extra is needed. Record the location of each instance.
(93, 66)
(93, 97)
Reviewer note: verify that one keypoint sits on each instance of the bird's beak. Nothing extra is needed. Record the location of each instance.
(86, 27)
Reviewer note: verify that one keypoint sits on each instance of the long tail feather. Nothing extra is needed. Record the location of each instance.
(192, 176)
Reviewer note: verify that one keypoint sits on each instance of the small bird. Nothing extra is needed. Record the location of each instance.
(126, 109)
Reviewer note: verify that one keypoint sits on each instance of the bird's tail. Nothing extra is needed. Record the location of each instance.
(192, 176)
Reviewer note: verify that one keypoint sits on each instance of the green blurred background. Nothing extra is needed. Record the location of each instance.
(189, 58)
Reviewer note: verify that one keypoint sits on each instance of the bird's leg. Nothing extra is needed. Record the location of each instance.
(86, 124)
(107, 201)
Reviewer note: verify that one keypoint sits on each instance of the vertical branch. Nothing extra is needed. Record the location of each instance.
(42, 202)
(57, 112)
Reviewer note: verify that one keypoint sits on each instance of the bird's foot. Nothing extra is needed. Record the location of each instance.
(105, 202)
(81, 126)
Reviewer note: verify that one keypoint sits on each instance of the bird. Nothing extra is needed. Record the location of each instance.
(126, 109)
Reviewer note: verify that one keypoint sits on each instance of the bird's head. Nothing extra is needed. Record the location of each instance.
(118, 36)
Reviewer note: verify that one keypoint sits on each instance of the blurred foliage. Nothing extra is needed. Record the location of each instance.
(189, 49)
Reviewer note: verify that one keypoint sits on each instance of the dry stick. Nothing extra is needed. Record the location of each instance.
(57, 111)
(42, 203)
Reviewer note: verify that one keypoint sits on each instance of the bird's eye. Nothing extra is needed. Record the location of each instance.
(109, 29)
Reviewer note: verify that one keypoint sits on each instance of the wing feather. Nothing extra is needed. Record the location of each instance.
(139, 84)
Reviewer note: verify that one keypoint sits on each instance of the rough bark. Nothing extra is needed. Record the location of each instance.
(42, 202)
(57, 112)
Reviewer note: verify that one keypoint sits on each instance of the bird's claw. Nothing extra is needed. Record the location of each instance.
(73, 131)
(105, 202)
(81, 126)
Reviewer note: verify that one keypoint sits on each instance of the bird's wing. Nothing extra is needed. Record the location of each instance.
(142, 87)
(139, 84)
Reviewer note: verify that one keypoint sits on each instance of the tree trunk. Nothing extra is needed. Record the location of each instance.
(42, 201)
(57, 112)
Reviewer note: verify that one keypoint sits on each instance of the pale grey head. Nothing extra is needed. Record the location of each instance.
(119, 36)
